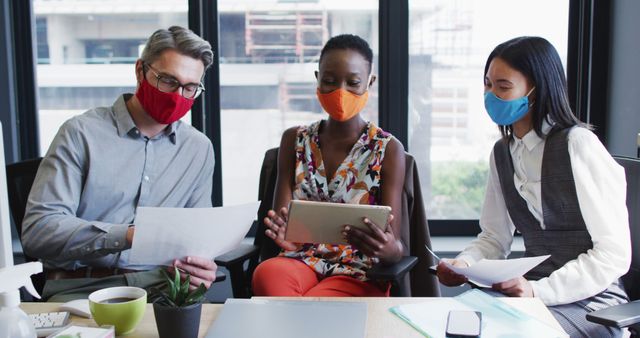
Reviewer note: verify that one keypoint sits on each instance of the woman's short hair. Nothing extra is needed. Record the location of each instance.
(348, 41)
(540, 63)
(181, 39)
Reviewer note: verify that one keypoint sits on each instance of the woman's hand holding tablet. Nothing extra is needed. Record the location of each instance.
(364, 226)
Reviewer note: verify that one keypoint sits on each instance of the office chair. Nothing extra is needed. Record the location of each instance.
(20, 176)
(628, 315)
(415, 234)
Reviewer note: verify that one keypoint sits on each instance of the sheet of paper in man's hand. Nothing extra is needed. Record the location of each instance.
(486, 272)
(165, 234)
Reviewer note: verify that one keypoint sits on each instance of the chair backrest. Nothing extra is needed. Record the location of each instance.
(420, 281)
(266, 190)
(632, 172)
(20, 177)
(415, 230)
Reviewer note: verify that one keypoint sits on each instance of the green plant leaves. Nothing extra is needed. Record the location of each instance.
(177, 294)
(197, 295)
(160, 297)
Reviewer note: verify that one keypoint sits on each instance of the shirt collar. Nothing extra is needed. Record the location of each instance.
(125, 123)
(531, 139)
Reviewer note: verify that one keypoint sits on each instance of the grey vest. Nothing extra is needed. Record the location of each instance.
(565, 236)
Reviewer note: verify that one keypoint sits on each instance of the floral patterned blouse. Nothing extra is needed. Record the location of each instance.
(357, 180)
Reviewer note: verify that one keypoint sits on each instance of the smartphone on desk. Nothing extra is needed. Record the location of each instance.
(463, 324)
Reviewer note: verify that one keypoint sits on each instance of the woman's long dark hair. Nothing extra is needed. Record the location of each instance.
(539, 62)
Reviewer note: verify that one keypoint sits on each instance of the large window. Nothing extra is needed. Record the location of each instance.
(87, 50)
(450, 133)
(269, 51)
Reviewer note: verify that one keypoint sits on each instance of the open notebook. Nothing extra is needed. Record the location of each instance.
(251, 318)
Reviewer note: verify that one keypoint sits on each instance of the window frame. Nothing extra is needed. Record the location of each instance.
(205, 112)
(587, 72)
(25, 116)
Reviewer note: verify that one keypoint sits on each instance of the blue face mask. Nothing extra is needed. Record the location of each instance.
(504, 112)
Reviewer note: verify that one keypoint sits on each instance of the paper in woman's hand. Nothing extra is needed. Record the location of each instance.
(486, 272)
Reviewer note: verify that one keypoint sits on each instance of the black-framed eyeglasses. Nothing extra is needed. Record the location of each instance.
(169, 84)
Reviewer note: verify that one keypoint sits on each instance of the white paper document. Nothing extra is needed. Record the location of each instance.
(486, 272)
(165, 234)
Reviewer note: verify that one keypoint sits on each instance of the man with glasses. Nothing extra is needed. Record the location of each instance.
(80, 216)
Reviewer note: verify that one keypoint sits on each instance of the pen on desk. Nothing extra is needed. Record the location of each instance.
(432, 253)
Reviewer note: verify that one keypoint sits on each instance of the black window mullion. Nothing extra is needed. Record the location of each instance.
(393, 67)
(576, 60)
(7, 88)
(26, 107)
(599, 71)
(588, 61)
(195, 24)
(203, 19)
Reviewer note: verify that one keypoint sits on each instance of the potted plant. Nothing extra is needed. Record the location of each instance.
(177, 310)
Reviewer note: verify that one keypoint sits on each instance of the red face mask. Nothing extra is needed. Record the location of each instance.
(165, 108)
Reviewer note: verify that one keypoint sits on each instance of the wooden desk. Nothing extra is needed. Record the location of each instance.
(380, 323)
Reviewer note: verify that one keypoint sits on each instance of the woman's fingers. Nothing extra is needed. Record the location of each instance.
(377, 232)
(363, 240)
(275, 218)
(449, 277)
(516, 287)
(357, 243)
(271, 234)
(276, 228)
(285, 214)
(275, 223)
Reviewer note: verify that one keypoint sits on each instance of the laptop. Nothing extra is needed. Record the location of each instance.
(251, 318)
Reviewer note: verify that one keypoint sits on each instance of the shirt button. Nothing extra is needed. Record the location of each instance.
(137, 132)
(116, 243)
(146, 178)
(88, 248)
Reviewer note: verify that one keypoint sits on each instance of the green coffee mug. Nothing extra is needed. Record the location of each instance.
(121, 306)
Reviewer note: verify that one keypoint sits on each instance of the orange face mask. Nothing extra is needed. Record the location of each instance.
(342, 104)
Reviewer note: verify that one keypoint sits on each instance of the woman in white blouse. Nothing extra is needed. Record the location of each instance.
(552, 181)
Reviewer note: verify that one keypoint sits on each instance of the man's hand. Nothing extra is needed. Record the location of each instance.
(202, 270)
(517, 287)
(447, 276)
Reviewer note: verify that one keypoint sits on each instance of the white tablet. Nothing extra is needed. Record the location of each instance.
(322, 222)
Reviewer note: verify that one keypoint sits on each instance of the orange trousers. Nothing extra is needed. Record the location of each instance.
(282, 276)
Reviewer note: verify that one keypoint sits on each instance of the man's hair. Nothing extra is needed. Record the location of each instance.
(540, 63)
(348, 41)
(180, 39)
